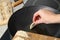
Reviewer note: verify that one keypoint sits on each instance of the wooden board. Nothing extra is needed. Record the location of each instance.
(33, 36)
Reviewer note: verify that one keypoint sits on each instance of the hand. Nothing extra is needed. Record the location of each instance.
(44, 16)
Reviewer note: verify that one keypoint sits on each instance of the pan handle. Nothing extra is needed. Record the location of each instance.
(14, 4)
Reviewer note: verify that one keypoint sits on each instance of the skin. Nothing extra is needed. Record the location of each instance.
(45, 16)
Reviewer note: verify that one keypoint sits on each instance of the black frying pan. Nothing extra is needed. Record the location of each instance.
(22, 18)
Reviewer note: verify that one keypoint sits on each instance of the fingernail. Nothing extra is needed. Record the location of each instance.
(32, 25)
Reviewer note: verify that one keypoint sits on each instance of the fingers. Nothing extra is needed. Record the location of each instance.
(36, 18)
(38, 21)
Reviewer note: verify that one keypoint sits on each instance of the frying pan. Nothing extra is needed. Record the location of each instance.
(21, 20)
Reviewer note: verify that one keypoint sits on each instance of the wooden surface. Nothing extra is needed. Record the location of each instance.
(14, 4)
(33, 36)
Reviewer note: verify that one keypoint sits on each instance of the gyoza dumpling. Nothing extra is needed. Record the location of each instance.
(18, 38)
(22, 33)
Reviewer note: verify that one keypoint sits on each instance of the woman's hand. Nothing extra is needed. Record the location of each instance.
(44, 16)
